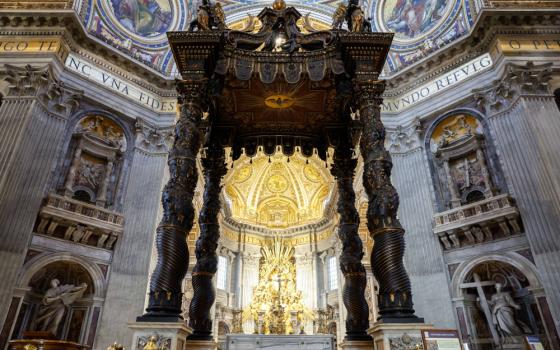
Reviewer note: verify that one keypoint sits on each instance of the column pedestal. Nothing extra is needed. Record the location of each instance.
(172, 335)
(357, 345)
(384, 334)
(201, 345)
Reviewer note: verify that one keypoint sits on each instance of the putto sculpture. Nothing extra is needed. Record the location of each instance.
(209, 17)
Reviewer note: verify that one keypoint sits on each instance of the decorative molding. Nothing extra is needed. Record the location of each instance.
(490, 24)
(394, 104)
(36, 4)
(406, 342)
(482, 221)
(80, 222)
(29, 81)
(404, 139)
(518, 80)
(40, 23)
(155, 341)
(153, 140)
(122, 87)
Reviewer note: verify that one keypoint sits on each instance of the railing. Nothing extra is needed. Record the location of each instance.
(79, 222)
(477, 222)
(85, 209)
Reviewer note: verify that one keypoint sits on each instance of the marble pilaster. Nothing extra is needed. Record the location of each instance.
(249, 278)
(131, 260)
(525, 124)
(33, 115)
(423, 256)
(306, 283)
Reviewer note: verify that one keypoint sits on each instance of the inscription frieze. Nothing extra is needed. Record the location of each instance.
(121, 86)
(393, 105)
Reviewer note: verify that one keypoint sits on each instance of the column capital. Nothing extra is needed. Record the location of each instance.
(369, 91)
(517, 80)
(404, 139)
(39, 82)
(153, 140)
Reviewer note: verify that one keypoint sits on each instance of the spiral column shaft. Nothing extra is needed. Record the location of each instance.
(357, 320)
(206, 259)
(178, 212)
(395, 297)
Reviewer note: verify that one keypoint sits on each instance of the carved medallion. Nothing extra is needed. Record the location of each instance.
(277, 183)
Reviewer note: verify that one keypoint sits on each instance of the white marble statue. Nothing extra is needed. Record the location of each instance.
(503, 316)
(54, 304)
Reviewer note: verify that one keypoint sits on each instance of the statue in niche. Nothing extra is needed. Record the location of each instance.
(55, 303)
(89, 173)
(503, 308)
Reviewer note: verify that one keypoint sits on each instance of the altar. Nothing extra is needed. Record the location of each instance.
(280, 342)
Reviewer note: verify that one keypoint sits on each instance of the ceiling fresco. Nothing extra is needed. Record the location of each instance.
(138, 27)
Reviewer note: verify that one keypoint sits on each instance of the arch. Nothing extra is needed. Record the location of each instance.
(37, 263)
(516, 260)
(470, 111)
(490, 155)
(77, 117)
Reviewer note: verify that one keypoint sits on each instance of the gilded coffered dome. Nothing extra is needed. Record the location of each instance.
(276, 192)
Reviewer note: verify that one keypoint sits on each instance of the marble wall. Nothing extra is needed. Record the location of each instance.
(32, 124)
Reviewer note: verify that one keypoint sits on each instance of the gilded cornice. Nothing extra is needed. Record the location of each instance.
(66, 23)
(326, 224)
(490, 24)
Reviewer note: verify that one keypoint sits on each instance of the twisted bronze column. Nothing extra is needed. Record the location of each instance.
(395, 297)
(206, 259)
(178, 212)
(357, 320)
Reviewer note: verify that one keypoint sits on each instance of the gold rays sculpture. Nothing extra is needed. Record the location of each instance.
(277, 306)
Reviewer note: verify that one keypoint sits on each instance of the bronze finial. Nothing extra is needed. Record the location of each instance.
(279, 5)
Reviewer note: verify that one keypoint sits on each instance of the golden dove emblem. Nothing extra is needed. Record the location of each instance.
(279, 101)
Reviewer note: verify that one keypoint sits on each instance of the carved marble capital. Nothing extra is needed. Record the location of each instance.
(404, 139)
(251, 259)
(153, 140)
(39, 82)
(518, 80)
